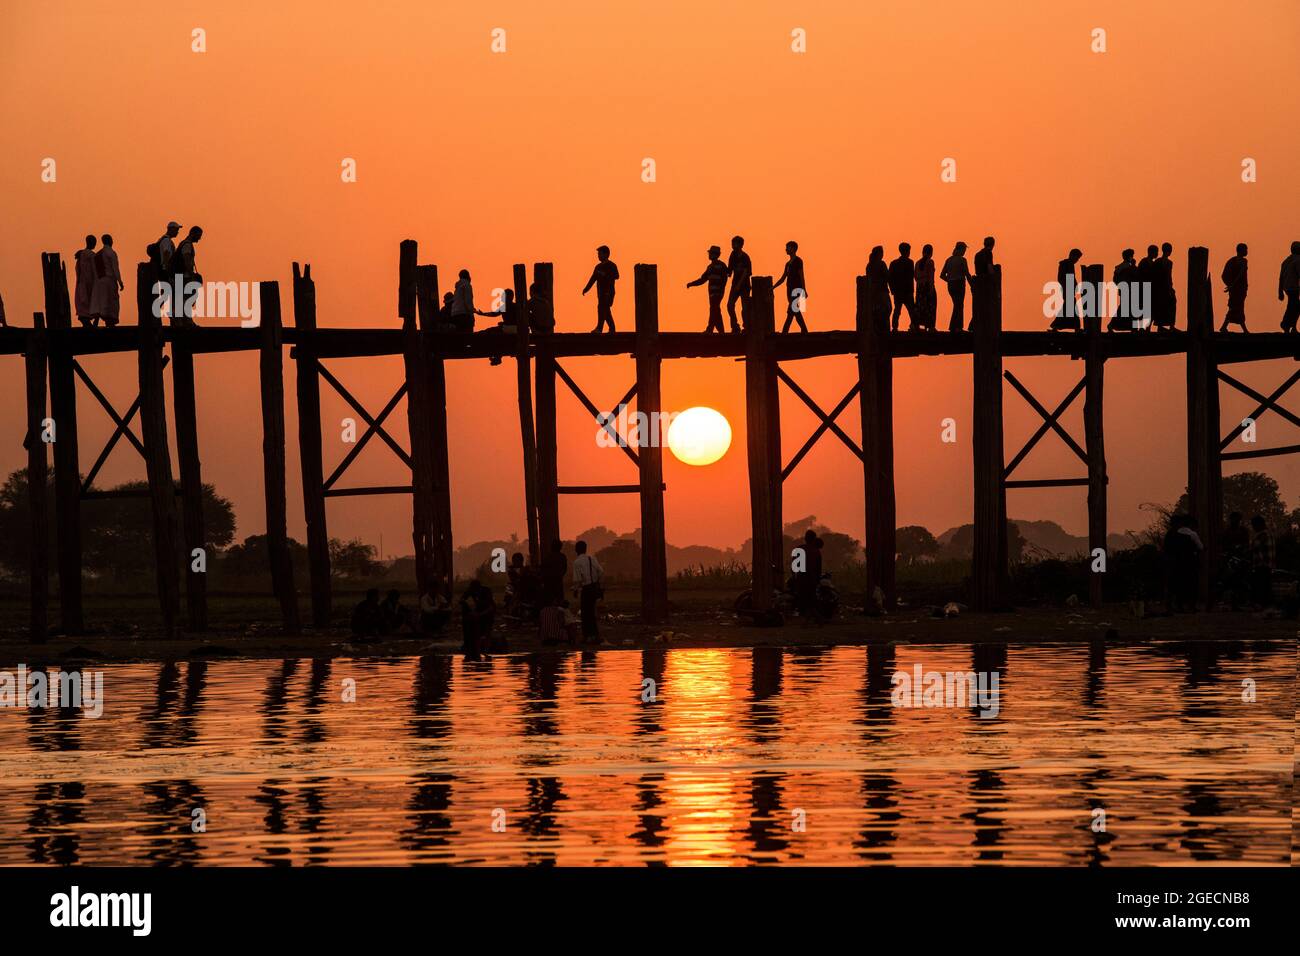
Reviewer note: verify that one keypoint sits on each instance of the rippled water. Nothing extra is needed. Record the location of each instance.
(739, 747)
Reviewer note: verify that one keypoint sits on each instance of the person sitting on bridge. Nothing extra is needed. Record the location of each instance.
(1234, 283)
(715, 274)
(603, 277)
(1067, 319)
(956, 273)
(902, 283)
(541, 314)
(795, 288)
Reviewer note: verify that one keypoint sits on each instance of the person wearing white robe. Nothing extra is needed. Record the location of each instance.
(104, 301)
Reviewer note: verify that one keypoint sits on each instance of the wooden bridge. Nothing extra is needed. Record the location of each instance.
(52, 346)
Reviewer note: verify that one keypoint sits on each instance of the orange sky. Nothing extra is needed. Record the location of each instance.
(535, 154)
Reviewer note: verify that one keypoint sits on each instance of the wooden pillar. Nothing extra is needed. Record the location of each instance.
(37, 481)
(548, 482)
(426, 284)
(157, 454)
(271, 367)
(309, 445)
(654, 559)
(876, 404)
(1094, 428)
(989, 571)
(415, 354)
(1204, 466)
(759, 368)
(191, 475)
(527, 430)
(67, 476)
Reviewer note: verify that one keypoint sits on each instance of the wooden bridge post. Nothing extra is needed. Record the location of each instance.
(415, 354)
(1094, 277)
(654, 560)
(989, 560)
(527, 430)
(548, 482)
(271, 368)
(758, 396)
(67, 476)
(876, 405)
(157, 455)
(309, 445)
(37, 481)
(1204, 466)
(426, 279)
(191, 475)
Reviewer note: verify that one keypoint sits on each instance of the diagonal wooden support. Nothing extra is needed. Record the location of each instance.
(1047, 424)
(1264, 403)
(1047, 417)
(597, 414)
(108, 407)
(828, 422)
(374, 425)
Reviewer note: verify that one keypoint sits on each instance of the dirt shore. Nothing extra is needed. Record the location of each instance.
(688, 629)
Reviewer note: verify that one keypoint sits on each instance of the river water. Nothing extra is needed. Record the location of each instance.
(1096, 755)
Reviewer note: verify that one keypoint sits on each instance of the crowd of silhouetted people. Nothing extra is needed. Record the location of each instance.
(1245, 571)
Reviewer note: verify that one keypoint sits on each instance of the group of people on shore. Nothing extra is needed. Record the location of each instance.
(1245, 574)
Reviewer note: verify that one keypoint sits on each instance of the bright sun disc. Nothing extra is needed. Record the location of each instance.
(699, 436)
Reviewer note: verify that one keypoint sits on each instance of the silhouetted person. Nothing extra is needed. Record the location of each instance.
(166, 247)
(807, 581)
(85, 287)
(444, 314)
(956, 273)
(541, 314)
(927, 300)
(1146, 277)
(1068, 317)
(367, 618)
(902, 281)
(603, 278)
(435, 611)
(1124, 278)
(392, 613)
(984, 258)
(741, 270)
(878, 273)
(1234, 283)
(1261, 562)
(715, 274)
(1235, 545)
(1164, 298)
(477, 614)
(796, 292)
(183, 265)
(1182, 553)
(554, 567)
(1288, 287)
(587, 575)
(4, 322)
(105, 303)
(462, 303)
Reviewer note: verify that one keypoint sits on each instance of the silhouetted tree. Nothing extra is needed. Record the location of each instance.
(913, 542)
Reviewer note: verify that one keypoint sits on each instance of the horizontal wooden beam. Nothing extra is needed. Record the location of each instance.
(1260, 452)
(372, 490)
(1046, 483)
(602, 489)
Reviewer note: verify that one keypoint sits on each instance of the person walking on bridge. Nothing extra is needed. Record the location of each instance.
(603, 278)
(1288, 288)
(902, 283)
(715, 274)
(1234, 283)
(741, 270)
(957, 274)
(795, 287)
(927, 301)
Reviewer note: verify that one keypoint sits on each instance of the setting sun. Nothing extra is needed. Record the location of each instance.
(699, 436)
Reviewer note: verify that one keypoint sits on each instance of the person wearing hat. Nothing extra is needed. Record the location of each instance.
(716, 276)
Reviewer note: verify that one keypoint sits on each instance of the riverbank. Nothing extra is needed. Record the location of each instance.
(691, 627)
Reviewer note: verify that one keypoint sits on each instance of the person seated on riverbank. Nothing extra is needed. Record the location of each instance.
(523, 587)
(435, 612)
(367, 618)
(393, 615)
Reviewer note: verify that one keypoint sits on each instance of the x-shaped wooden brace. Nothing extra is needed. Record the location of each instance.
(827, 421)
(374, 426)
(1264, 405)
(123, 424)
(608, 422)
(1050, 420)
